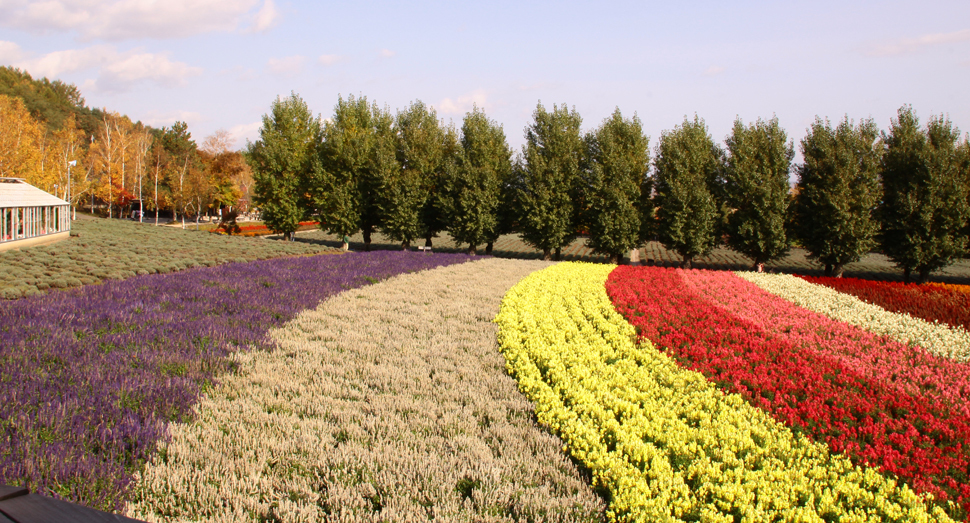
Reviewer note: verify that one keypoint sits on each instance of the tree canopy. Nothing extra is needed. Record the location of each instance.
(837, 192)
(688, 165)
(284, 160)
(618, 162)
(756, 185)
(924, 210)
(549, 192)
(472, 184)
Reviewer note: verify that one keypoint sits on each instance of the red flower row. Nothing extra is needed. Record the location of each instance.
(263, 229)
(929, 302)
(812, 391)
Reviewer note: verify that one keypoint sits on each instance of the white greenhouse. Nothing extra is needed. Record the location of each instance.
(30, 216)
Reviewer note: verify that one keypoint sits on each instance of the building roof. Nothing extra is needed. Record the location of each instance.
(15, 192)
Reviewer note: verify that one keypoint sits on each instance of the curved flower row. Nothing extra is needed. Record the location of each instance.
(828, 393)
(929, 302)
(387, 403)
(90, 377)
(937, 338)
(663, 441)
(908, 368)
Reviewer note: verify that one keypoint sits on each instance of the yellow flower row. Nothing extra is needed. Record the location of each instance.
(664, 442)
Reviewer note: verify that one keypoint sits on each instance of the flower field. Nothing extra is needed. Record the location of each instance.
(395, 386)
(89, 377)
(940, 339)
(881, 403)
(933, 303)
(386, 403)
(662, 440)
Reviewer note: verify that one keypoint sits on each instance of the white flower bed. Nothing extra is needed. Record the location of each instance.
(940, 339)
(386, 403)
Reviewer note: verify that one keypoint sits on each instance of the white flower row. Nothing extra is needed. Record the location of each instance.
(938, 338)
(386, 403)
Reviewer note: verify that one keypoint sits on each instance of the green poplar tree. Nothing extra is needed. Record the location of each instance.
(838, 189)
(547, 200)
(688, 165)
(347, 191)
(619, 159)
(756, 186)
(284, 161)
(473, 182)
(963, 153)
(924, 209)
(408, 191)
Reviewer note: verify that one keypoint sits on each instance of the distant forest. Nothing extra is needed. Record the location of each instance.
(120, 165)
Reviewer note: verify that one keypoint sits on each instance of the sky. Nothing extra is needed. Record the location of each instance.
(219, 64)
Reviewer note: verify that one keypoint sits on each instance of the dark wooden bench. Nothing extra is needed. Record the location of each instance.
(18, 505)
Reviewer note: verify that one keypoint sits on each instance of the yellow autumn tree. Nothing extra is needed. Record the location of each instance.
(20, 137)
(57, 148)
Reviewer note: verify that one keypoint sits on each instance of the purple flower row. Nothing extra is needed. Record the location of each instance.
(90, 377)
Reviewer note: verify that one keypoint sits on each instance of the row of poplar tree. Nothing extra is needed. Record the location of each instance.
(412, 177)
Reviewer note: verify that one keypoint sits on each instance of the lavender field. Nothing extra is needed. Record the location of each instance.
(91, 377)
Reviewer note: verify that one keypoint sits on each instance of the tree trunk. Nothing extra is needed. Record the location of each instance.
(472, 249)
(924, 275)
(488, 248)
(366, 232)
(615, 258)
(427, 242)
(558, 253)
(635, 256)
(838, 269)
(828, 269)
(547, 254)
(759, 266)
(405, 245)
(688, 261)
(907, 274)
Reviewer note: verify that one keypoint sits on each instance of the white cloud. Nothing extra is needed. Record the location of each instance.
(57, 63)
(10, 52)
(329, 59)
(289, 65)
(266, 17)
(910, 45)
(464, 103)
(123, 74)
(245, 132)
(714, 70)
(116, 71)
(386, 53)
(135, 19)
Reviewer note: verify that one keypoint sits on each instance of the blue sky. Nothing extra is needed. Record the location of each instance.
(218, 64)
